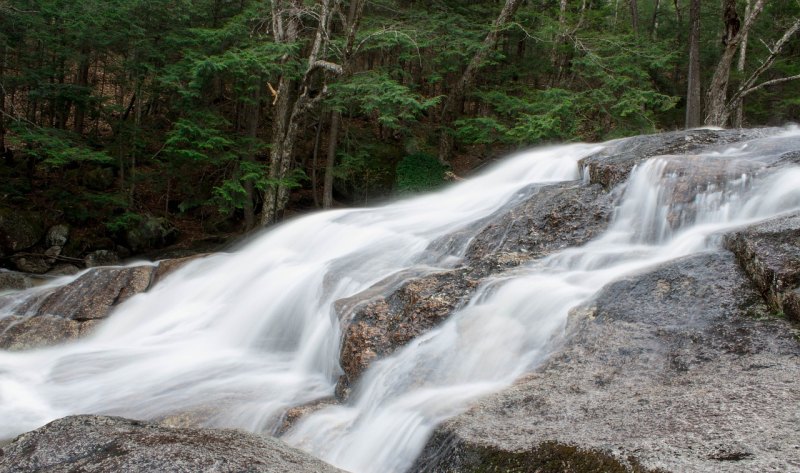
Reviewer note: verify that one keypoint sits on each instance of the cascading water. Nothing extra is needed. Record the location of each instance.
(252, 333)
(506, 328)
(249, 334)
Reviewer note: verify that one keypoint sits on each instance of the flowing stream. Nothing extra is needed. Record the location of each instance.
(241, 337)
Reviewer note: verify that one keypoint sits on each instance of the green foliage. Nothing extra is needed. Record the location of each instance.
(363, 171)
(419, 172)
(375, 94)
(199, 137)
(126, 221)
(55, 148)
(480, 130)
(151, 102)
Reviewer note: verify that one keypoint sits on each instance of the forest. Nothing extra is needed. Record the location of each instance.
(216, 117)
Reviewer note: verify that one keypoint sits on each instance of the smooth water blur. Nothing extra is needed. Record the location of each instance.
(242, 337)
(239, 338)
(511, 321)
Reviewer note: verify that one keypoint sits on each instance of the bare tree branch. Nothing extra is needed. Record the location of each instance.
(328, 66)
(768, 83)
(747, 86)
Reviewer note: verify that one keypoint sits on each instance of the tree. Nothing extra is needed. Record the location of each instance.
(735, 31)
(451, 107)
(351, 27)
(694, 110)
(291, 106)
(749, 85)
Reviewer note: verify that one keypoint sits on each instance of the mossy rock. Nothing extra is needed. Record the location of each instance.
(148, 233)
(554, 457)
(19, 230)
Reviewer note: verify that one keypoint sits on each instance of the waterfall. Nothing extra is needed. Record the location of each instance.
(506, 328)
(252, 333)
(248, 334)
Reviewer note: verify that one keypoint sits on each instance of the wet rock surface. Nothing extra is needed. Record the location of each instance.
(72, 310)
(104, 444)
(552, 218)
(682, 368)
(95, 293)
(12, 280)
(547, 219)
(613, 165)
(24, 333)
(168, 266)
(375, 326)
(380, 320)
(770, 254)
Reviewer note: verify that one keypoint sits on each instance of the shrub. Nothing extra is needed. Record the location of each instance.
(418, 172)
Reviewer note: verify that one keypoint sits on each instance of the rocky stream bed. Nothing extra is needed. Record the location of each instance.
(691, 365)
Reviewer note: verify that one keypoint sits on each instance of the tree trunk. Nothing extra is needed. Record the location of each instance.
(452, 106)
(315, 163)
(285, 31)
(555, 58)
(3, 101)
(251, 130)
(137, 123)
(654, 21)
(739, 119)
(353, 19)
(289, 112)
(279, 158)
(327, 194)
(749, 86)
(694, 111)
(716, 98)
(634, 16)
(82, 81)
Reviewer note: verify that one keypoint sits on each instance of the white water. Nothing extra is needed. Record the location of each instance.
(252, 333)
(506, 329)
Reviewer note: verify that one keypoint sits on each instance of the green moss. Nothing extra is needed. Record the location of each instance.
(419, 172)
(554, 457)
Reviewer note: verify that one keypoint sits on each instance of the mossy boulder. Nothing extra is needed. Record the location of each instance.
(148, 232)
(19, 230)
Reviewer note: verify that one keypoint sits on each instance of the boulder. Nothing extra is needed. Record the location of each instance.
(298, 412)
(770, 255)
(377, 325)
(169, 266)
(550, 219)
(70, 311)
(678, 369)
(19, 230)
(64, 270)
(100, 258)
(25, 333)
(388, 315)
(612, 165)
(31, 263)
(10, 280)
(95, 293)
(89, 443)
(148, 233)
(57, 235)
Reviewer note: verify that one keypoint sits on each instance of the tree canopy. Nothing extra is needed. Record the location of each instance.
(214, 111)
